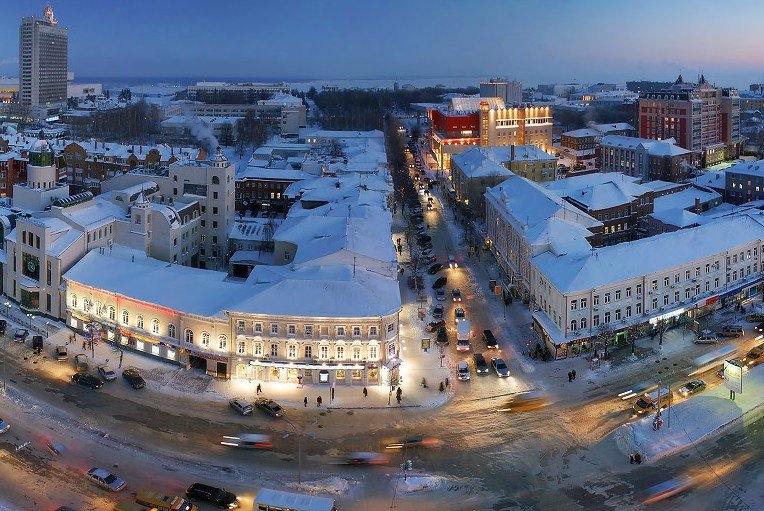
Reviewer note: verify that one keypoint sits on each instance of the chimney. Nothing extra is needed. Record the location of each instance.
(697, 206)
(512, 152)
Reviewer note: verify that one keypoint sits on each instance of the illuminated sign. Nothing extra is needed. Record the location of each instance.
(733, 377)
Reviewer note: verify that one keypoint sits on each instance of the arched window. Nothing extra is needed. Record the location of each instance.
(215, 180)
(86, 305)
(139, 322)
(574, 325)
(125, 317)
(74, 300)
(189, 336)
(205, 339)
(99, 309)
(583, 323)
(171, 331)
(155, 326)
(112, 313)
(222, 342)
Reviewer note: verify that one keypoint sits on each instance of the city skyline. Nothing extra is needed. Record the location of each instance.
(337, 43)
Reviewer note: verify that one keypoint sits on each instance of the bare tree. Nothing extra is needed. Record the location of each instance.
(603, 336)
(660, 328)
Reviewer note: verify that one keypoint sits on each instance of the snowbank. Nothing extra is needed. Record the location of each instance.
(692, 420)
(414, 484)
(333, 485)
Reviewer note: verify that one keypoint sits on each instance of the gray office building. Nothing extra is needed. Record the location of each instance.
(43, 59)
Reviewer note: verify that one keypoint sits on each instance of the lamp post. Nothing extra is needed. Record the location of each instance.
(299, 450)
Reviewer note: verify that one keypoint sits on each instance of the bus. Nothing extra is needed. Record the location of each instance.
(705, 362)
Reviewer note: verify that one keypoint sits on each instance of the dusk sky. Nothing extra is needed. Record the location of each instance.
(536, 42)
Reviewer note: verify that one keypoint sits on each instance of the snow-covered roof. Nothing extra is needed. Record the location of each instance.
(616, 126)
(667, 147)
(684, 199)
(612, 264)
(475, 163)
(678, 217)
(252, 229)
(583, 132)
(714, 179)
(470, 104)
(661, 186)
(296, 501)
(749, 168)
(266, 172)
(522, 153)
(599, 190)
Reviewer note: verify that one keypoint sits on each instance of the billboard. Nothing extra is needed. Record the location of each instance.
(733, 377)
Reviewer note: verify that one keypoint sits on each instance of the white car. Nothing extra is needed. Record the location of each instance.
(106, 372)
(440, 295)
(4, 426)
(105, 479)
(462, 370)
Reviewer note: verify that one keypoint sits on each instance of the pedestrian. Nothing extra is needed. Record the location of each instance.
(574, 373)
(259, 389)
(107, 361)
(318, 401)
(121, 354)
(442, 387)
(305, 402)
(399, 392)
(398, 398)
(631, 459)
(570, 376)
(447, 382)
(332, 395)
(365, 392)
(637, 458)
(84, 345)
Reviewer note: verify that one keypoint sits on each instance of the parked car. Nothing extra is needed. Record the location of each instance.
(429, 259)
(4, 426)
(20, 335)
(442, 337)
(459, 314)
(437, 312)
(755, 356)
(61, 353)
(426, 238)
(214, 495)
(480, 366)
(241, 406)
(105, 479)
(706, 337)
(442, 281)
(732, 331)
(106, 372)
(81, 363)
(755, 317)
(440, 295)
(3, 326)
(452, 261)
(490, 340)
(133, 378)
(247, 441)
(435, 268)
(759, 327)
(87, 380)
(462, 370)
(269, 406)
(456, 294)
(692, 387)
(37, 344)
(434, 325)
(500, 367)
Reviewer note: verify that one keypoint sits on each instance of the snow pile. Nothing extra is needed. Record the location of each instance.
(333, 485)
(692, 420)
(413, 484)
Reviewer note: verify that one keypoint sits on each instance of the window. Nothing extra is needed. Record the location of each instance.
(222, 342)
(655, 303)
(242, 348)
(292, 351)
(125, 317)
(687, 292)
(373, 352)
(189, 335)
(74, 300)
(697, 271)
(155, 326)
(308, 330)
(323, 352)
(654, 285)
(87, 304)
(676, 296)
(574, 325)
(676, 278)
(340, 331)
(205, 339)
(356, 331)
(583, 323)
(308, 351)
(139, 322)
(215, 180)
(340, 352)
(687, 275)
(628, 311)
(356, 353)
(596, 300)
(390, 328)
(607, 297)
(171, 331)
(274, 349)
(628, 292)
(257, 350)
(573, 305)
(665, 281)
(639, 308)
(596, 320)
(112, 314)
(708, 268)
(240, 326)
(639, 289)
(665, 299)
(291, 329)
(583, 303)
(617, 314)
(618, 294)
(606, 318)
(274, 328)
(258, 328)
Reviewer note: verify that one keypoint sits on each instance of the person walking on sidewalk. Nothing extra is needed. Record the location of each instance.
(305, 402)
(318, 401)
(365, 392)
(259, 389)
(570, 376)
(573, 372)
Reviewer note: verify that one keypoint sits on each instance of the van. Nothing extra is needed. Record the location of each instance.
(463, 333)
(651, 401)
(163, 502)
(732, 331)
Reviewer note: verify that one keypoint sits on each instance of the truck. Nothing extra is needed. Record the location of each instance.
(81, 363)
(463, 334)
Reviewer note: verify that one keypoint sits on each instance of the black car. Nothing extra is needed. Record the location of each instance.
(218, 496)
(490, 340)
(442, 336)
(480, 365)
(760, 327)
(269, 406)
(439, 283)
(133, 378)
(424, 238)
(3, 326)
(435, 268)
(87, 380)
(37, 343)
(20, 335)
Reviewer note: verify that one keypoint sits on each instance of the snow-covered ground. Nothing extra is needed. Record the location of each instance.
(691, 420)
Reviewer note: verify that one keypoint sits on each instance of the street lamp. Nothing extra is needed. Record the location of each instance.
(299, 450)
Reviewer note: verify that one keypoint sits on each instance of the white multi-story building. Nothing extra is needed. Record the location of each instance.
(43, 60)
(582, 293)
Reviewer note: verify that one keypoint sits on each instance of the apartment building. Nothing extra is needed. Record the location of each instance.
(43, 60)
